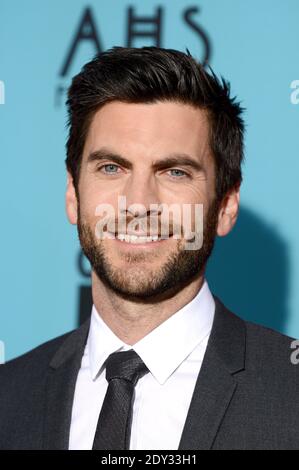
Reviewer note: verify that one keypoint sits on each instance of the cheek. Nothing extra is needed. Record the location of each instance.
(88, 207)
(99, 213)
(90, 198)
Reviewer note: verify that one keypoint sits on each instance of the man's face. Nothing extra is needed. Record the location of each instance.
(145, 135)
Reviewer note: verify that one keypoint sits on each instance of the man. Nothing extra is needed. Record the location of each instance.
(162, 363)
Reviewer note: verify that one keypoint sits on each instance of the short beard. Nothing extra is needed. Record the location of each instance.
(179, 270)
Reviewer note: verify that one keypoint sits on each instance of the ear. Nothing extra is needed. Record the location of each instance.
(228, 212)
(71, 202)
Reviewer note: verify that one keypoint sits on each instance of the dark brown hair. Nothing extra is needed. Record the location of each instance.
(152, 74)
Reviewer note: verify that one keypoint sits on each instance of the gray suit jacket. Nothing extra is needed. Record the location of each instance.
(246, 395)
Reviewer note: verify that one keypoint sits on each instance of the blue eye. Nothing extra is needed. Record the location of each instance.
(181, 171)
(108, 165)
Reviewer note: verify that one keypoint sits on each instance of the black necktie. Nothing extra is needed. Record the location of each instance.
(123, 369)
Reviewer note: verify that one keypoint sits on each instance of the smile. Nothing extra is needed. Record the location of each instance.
(139, 239)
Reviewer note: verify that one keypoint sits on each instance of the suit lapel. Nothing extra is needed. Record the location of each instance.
(61, 382)
(216, 384)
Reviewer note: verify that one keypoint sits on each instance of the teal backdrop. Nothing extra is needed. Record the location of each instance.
(45, 282)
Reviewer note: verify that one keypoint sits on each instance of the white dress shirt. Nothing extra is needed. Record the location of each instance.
(173, 353)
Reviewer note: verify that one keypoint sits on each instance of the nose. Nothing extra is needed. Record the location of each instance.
(142, 195)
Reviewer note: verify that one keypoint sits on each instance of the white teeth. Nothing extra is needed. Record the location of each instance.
(136, 239)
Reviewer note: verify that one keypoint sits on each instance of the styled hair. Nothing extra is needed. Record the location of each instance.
(149, 75)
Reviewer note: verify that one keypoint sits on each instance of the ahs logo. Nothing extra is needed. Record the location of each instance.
(138, 27)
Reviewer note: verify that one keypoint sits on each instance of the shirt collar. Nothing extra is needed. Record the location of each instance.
(164, 348)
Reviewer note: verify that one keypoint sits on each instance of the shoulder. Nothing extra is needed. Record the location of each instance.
(271, 348)
(260, 333)
(32, 366)
(24, 387)
(32, 362)
(265, 348)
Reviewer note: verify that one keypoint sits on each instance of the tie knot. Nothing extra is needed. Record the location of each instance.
(125, 365)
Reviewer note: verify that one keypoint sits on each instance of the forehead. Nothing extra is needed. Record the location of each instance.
(156, 128)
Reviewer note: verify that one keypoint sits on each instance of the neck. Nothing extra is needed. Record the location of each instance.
(132, 320)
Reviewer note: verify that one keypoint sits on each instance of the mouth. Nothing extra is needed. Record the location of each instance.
(139, 241)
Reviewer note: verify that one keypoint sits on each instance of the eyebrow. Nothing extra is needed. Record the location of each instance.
(174, 159)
